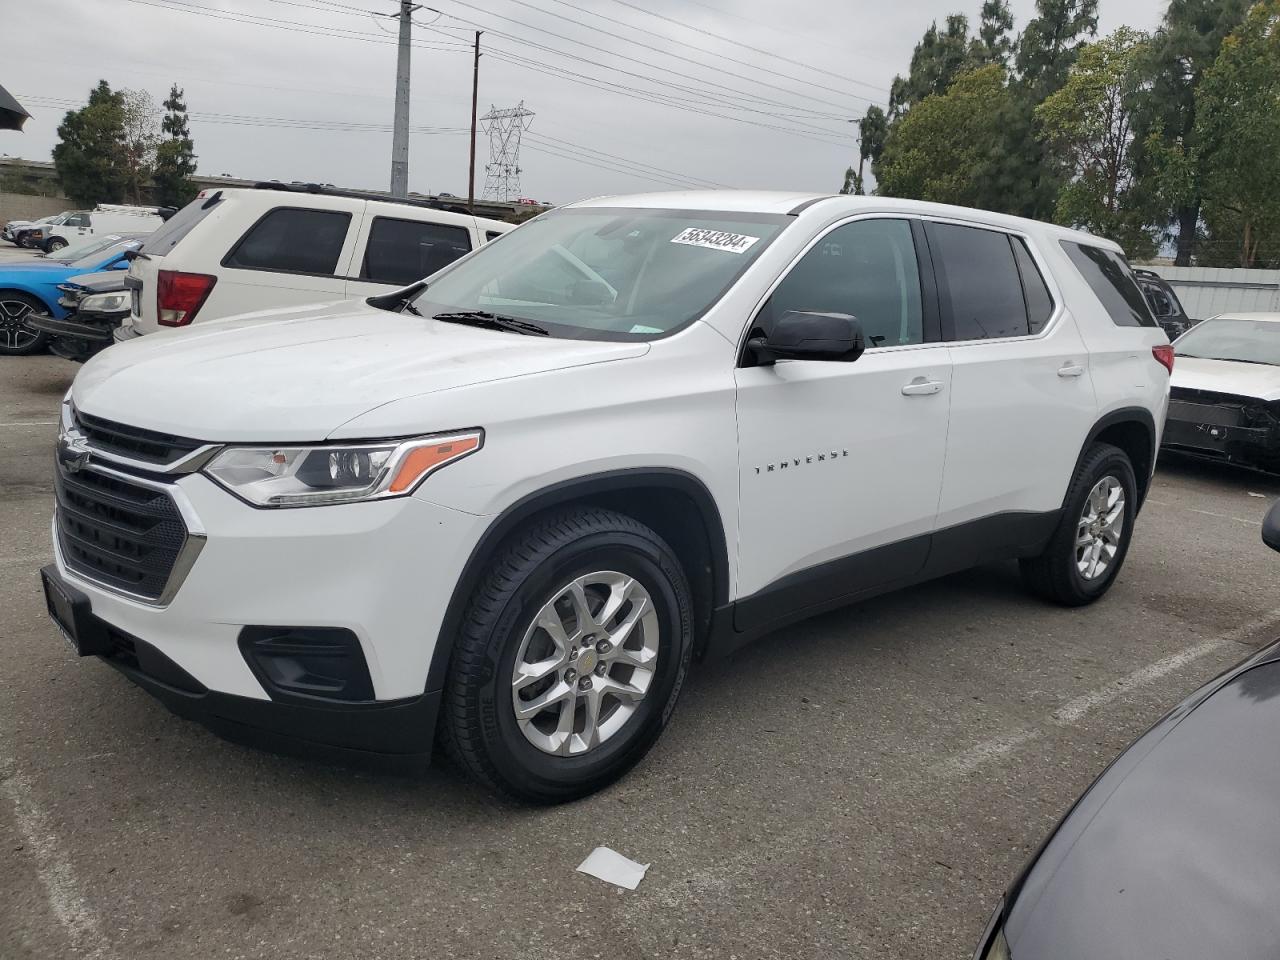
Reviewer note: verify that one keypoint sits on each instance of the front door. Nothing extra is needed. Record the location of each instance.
(840, 464)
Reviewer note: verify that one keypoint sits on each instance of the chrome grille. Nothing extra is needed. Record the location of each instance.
(135, 443)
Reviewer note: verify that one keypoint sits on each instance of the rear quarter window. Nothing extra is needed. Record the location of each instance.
(1112, 282)
(292, 240)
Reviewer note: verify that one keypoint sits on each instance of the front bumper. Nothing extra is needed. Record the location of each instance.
(1245, 445)
(97, 333)
(383, 570)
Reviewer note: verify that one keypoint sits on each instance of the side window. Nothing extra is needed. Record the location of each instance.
(867, 269)
(491, 235)
(1112, 282)
(79, 220)
(292, 240)
(405, 251)
(1039, 302)
(980, 289)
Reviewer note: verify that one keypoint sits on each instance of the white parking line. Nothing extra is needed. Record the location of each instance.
(52, 865)
(1073, 711)
(30, 423)
(1206, 513)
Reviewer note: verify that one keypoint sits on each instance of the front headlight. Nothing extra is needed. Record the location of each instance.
(105, 302)
(312, 476)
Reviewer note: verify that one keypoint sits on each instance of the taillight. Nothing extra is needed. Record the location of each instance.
(180, 295)
(1164, 356)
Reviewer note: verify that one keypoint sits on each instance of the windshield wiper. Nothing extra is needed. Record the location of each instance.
(493, 321)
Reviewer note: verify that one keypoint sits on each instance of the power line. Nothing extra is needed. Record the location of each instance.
(700, 80)
(691, 46)
(747, 46)
(613, 157)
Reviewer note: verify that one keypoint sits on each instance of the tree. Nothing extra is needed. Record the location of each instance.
(873, 128)
(175, 156)
(1051, 41)
(940, 148)
(89, 152)
(1089, 126)
(1237, 140)
(1179, 54)
(936, 61)
(993, 44)
(141, 138)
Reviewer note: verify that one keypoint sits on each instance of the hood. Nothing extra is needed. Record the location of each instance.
(104, 281)
(1175, 850)
(1258, 380)
(299, 378)
(15, 270)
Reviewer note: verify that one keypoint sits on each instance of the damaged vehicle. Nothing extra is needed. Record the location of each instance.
(1164, 303)
(97, 303)
(1224, 400)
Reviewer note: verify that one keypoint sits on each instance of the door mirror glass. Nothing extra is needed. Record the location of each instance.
(804, 335)
(1271, 527)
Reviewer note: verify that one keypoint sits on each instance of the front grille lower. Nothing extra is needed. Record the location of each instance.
(147, 446)
(1219, 409)
(118, 533)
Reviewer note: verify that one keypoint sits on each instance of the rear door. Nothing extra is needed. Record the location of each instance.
(394, 248)
(1022, 398)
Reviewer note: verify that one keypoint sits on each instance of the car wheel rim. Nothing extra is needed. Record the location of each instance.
(1100, 528)
(585, 663)
(14, 333)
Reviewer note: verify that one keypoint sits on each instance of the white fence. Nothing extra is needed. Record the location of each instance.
(1207, 291)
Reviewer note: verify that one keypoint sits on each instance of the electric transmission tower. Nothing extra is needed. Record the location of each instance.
(502, 172)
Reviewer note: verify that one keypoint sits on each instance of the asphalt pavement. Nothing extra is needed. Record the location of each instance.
(860, 785)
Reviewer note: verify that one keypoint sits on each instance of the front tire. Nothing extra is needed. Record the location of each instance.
(54, 245)
(571, 658)
(16, 338)
(1092, 538)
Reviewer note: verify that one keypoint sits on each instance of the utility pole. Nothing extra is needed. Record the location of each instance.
(475, 93)
(400, 127)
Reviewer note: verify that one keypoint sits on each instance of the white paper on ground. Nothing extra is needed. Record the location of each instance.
(612, 867)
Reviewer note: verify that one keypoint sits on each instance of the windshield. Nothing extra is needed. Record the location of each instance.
(95, 257)
(93, 247)
(606, 273)
(1229, 338)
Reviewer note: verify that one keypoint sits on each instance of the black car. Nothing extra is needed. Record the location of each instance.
(1164, 303)
(98, 303)
(1174, 852)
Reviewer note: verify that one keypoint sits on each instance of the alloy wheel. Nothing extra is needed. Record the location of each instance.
(1099, 529)
(14, 333)
(585, 663)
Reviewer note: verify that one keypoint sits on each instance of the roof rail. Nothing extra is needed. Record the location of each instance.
(329, 190)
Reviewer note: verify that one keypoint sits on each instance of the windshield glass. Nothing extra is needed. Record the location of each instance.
(1228, 338)
(95, 247)
(91, 259)
(606, 273)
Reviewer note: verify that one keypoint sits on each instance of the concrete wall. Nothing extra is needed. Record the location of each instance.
(25, 206)
(1208, 291)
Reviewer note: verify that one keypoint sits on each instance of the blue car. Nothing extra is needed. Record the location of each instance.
(31, 286)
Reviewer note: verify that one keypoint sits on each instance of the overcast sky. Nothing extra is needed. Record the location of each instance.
(726, 115)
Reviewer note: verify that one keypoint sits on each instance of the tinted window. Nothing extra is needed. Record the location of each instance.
(867, 269)
(491, 235)
(1039, 302)
(291, 240)
(1112, 282)
(405, 251)
(180, 224)
(79, 220)
(979, 284)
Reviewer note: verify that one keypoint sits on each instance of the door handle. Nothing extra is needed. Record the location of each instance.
(1071, 369)
(920, 387)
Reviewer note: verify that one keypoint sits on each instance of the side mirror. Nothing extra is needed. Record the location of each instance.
(1271, 527)
(800, 335)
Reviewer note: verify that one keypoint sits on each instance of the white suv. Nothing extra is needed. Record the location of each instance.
(513, 502)
(229, 252)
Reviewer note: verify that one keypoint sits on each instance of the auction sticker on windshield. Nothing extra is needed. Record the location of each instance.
(715, 239)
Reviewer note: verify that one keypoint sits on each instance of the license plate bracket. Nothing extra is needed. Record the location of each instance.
(72, 614)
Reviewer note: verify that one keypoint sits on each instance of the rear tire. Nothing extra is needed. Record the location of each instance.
(543, 610)
(16, 338)
(1092, 538)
